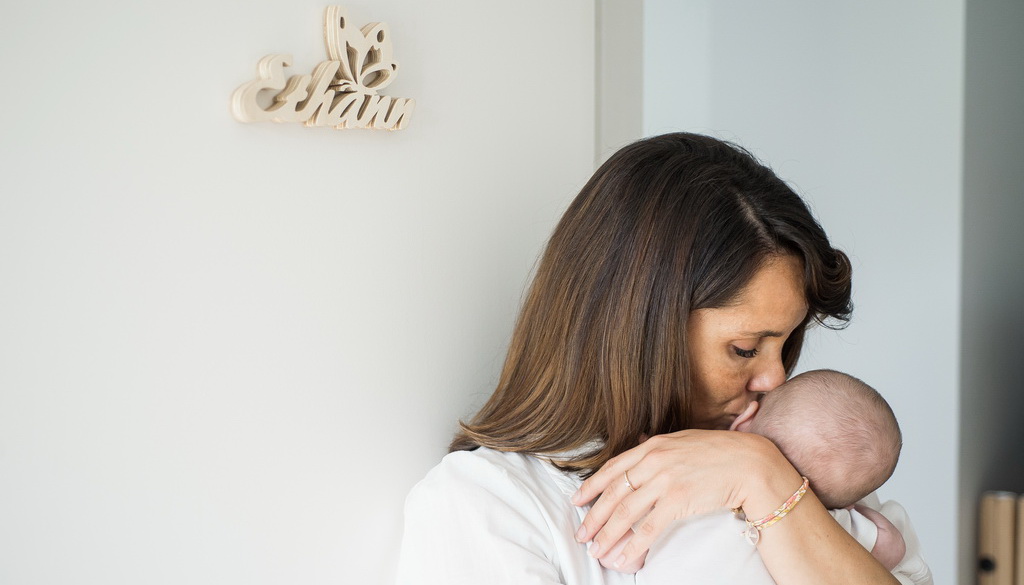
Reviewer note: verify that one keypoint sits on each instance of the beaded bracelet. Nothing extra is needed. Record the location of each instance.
(754, 528)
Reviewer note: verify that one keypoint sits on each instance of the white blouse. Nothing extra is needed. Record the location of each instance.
(485, 517)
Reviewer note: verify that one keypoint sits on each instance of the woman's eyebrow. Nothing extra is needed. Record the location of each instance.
(764, 333)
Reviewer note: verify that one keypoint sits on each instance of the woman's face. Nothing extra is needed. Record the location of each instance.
(736, 351)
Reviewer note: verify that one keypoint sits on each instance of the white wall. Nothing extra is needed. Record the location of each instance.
(227, 351)
(859, 106)
(620, 82)
(992, 399)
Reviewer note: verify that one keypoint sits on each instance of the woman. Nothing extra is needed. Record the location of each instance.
(674, 291)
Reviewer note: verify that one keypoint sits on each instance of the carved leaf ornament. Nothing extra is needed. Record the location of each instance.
(341, 92)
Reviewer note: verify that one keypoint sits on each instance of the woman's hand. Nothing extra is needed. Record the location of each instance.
(678, 475)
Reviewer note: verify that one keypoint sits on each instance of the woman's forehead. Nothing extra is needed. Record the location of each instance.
(771, 305)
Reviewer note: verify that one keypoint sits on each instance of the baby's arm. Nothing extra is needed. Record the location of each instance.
(890, 548)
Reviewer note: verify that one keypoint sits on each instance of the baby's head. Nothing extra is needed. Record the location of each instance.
(836, 430)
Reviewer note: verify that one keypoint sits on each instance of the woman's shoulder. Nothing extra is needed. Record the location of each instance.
(483, 470)
(478, 506)
(481, 459)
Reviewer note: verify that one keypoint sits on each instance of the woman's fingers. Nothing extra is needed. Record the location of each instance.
(602, 509)
(609, 486)
(614, 514)
(616, 553)
(614, 469)
(609, 473)
(663, 467)
(615, 558)
(644, 535)
(670, 477)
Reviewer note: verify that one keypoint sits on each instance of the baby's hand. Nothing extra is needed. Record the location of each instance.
(616, 550)
(890, 548)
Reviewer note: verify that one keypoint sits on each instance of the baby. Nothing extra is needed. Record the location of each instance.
(835, 430)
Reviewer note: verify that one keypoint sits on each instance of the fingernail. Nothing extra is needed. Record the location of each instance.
(575, 498)
(581, 534)
(595, 549)
(619, 561)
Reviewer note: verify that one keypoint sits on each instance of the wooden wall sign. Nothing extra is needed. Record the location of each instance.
(341, 92)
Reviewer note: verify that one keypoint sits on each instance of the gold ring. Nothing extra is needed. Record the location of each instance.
(628, 484)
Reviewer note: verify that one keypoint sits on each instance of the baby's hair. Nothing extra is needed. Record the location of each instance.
(836, 430)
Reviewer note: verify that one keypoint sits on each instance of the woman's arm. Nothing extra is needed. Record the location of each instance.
(693, 472)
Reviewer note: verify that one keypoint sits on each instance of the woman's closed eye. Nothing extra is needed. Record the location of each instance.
(745, 353)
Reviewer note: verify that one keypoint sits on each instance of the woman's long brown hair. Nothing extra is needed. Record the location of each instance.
(667, 225)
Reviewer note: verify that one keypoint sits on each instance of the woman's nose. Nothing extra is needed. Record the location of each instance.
(768, 378)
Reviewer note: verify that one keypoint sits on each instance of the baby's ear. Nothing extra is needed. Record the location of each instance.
(742, 422)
